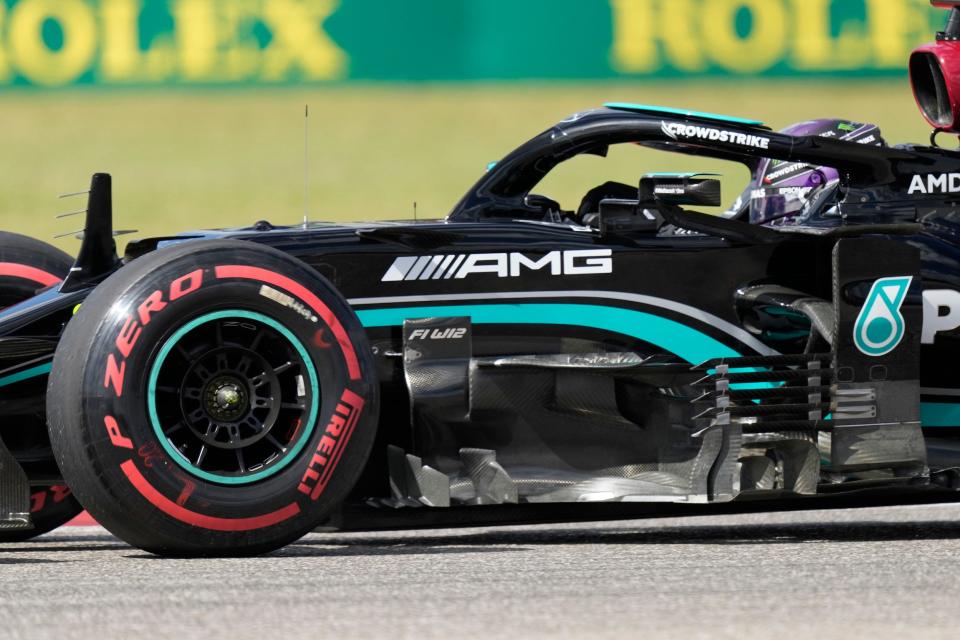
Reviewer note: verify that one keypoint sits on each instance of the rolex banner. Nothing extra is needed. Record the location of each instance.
(55, 43)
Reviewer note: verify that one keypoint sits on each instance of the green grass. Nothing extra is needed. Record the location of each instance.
(184, 160)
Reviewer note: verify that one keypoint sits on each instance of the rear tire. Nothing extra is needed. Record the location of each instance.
(213, 398)
(26, 266)
(51, 507)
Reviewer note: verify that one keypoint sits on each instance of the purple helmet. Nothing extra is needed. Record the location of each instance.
(780, 190)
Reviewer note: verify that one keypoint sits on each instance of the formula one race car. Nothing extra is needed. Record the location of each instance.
(225, 392)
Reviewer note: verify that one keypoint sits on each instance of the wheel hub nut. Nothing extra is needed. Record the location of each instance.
(226, 399)
(228, 396)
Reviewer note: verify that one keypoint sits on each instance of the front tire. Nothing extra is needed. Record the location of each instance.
(213, 398)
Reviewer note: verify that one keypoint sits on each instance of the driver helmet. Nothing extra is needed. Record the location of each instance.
(780, 189)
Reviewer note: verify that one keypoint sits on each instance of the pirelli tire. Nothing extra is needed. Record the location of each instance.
(51, 507)
(213, 398)
(26, 266)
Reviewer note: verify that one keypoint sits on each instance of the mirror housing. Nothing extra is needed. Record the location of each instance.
(657, 192)
(680, 188)
(627, 216)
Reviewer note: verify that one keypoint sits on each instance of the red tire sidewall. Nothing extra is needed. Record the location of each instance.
(126, 449)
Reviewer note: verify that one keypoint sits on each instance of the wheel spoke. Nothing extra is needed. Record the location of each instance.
(276, 443)
(262, 403)
(184, 353)
(221, 397)
(173, 429)
(283, 367)
(202, 372)
(244, 365)
(254, 423)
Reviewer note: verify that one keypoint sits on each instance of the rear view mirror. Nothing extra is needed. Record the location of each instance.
(627, 216)
(680, 189)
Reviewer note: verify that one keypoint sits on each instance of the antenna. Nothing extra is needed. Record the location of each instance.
(306, 164)
(414, 210)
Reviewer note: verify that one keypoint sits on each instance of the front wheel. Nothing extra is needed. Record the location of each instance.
(213, 398)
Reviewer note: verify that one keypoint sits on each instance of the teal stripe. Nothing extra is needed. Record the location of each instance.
(680, 174)
(677, 338)
(940, 414)
(629, 106)
(32, 372)
(672, 336)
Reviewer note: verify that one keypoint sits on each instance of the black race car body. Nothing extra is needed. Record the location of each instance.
(632, 352)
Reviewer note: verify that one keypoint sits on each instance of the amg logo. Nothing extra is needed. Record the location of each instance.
(503, 265)
(935, 183)
(452, 333)
(679, 130)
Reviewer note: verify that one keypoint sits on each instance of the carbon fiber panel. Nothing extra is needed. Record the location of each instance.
(542, 429)
(14, 493)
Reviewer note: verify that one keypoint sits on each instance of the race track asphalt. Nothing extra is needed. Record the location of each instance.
(864, 573)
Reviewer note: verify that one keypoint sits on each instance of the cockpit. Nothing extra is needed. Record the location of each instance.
(602, 185)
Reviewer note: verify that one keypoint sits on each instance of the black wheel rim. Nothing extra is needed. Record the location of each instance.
(233, 396)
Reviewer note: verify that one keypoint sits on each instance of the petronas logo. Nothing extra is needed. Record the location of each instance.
(879, 326)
